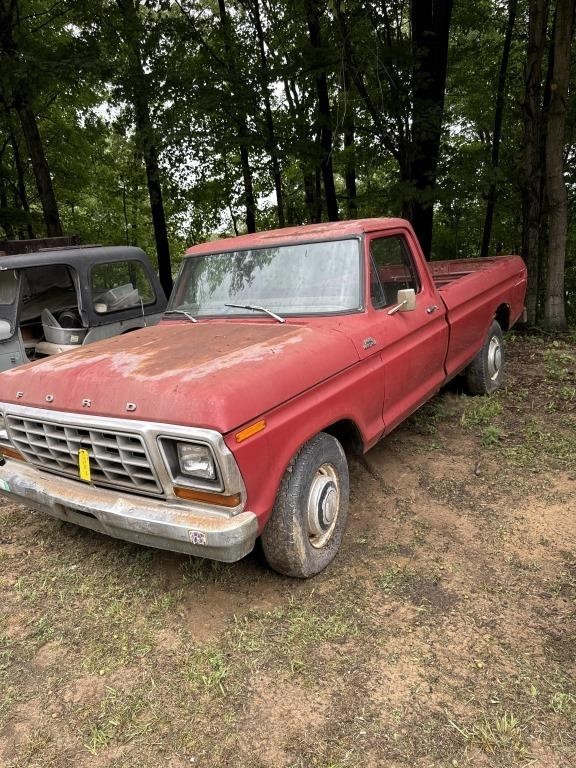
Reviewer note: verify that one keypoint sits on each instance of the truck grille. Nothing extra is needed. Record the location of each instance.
(117, 459)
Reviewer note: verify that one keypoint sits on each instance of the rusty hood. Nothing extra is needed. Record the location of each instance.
(209, 374)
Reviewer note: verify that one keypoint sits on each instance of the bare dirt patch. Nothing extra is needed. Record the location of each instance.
(443, 635)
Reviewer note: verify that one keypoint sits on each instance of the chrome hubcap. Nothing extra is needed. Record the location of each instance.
(494, 358)
(323, 505)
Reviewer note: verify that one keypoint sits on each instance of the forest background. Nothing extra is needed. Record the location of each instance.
(164, 123)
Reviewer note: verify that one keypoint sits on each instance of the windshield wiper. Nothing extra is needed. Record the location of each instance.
(256, 308)
(181, 312)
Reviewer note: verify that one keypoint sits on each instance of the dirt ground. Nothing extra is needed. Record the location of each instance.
(444, 634)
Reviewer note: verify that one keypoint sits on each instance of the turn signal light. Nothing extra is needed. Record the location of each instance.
(11, 453)
(191, 494)
(247, 432)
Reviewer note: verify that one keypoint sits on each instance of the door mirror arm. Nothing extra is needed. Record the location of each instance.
(406, 301)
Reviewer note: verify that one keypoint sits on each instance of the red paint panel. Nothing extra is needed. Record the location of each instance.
(472, 301)
(332, 230)
(217, 375)
(354, 394)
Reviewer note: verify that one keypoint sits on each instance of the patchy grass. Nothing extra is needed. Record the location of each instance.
(480, 411)
(442, 635)
(496, 733)
(122, 718)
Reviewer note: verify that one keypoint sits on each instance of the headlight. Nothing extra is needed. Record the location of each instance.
(196, 461)
(191, 463)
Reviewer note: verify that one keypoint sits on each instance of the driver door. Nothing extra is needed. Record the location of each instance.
(414, 343)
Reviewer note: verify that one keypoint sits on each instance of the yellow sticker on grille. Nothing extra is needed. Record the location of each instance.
(84, 465)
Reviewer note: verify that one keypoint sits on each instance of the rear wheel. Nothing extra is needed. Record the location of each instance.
(485, 374)
(305, 529)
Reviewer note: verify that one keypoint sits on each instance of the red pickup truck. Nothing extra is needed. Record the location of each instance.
(228, 421)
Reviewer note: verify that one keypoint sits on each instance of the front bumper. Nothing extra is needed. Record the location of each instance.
(179, 527)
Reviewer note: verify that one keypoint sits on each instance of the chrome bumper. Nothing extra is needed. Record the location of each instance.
(180, 527)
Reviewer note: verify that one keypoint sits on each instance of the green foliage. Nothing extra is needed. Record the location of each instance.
(207, 88)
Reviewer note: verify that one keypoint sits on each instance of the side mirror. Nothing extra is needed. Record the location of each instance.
(5, 330)
(406, 299)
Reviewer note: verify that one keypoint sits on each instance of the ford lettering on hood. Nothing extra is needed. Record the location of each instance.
(208, 374)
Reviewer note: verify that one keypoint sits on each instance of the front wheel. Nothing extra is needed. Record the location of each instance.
(485, 374)
(305, 529)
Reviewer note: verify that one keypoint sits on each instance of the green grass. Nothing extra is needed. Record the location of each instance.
(496, 733)
(395, 580)
(208, 668)
(427, 418)
(291, 636)
(558, 363)
(122, 718)
(539, 446)
(480, 411)
(563, 703)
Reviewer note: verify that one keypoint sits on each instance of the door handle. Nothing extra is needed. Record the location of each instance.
(431, 309)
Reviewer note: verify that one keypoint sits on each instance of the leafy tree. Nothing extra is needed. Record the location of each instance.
(18, 32)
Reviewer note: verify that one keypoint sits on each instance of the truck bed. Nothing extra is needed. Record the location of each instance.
(446, 272)
(472, 291)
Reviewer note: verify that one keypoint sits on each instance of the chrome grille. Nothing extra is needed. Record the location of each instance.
(117, 459)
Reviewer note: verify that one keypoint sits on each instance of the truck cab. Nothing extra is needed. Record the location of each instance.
(57, 300)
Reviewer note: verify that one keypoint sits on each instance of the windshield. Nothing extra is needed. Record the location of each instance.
(312, 278)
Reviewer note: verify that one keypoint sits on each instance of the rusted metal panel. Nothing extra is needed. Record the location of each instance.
(11, 247)
(330, 230)
(218, 373)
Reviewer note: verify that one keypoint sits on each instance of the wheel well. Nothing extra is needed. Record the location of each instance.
(348, 435)
(502, 316)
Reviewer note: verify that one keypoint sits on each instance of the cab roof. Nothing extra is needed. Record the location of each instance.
(330, 230)
(72, 256)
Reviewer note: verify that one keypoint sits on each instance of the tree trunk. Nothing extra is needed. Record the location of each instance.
(146, 140)
(430, 30)
(324, 121)
(349, 155)
(395, 142)
(532, 144)
(247, 178)
(348, 124)
(554, 308)
(313, 197)
(498, 115)
(272, 145)
(6, 223)
(240, 119)
(18, 96)
(22, 197)
(40, 168)
(150, 154)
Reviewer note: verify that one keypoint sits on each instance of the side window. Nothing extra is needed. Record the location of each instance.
(120, 285)
(391, 269)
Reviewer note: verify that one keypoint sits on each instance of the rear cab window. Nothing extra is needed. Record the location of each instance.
(117, 285)
(391, 269)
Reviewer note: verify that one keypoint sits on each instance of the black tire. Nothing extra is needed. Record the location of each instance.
(305, 528)
(485, 374)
